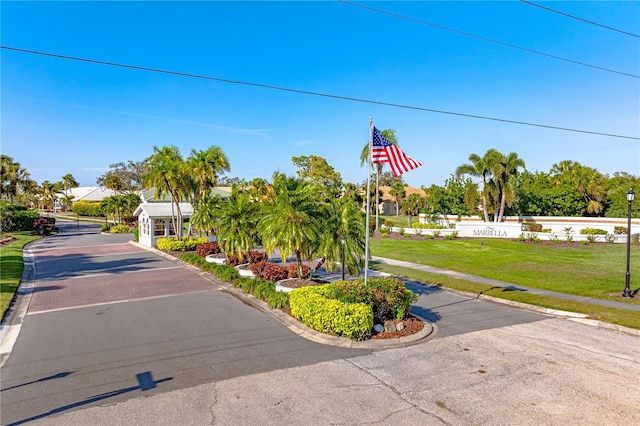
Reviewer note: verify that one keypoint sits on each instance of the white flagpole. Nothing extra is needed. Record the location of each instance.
(366, 244)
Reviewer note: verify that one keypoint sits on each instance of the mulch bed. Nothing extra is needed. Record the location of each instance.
(412, 325)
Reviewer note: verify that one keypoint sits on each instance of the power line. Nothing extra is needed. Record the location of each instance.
(502, 43)
(306, 92)
(578, 18)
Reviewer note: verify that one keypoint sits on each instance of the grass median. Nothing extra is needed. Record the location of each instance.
(11, 266)
(595, 270)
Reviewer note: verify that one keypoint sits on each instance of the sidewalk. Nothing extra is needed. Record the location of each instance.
(510, 286)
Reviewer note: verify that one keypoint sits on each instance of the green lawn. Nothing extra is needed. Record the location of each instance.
(594, 270)
(11, 266)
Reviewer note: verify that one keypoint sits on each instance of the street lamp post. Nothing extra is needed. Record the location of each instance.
(627, 290)
(343, 240)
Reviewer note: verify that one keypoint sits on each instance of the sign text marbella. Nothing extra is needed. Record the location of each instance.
(490, 232)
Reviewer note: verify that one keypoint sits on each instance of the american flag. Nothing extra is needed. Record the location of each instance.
(385, 152)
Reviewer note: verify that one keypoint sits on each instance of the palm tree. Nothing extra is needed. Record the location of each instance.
(398, 193)
(165, 170)
(206, 213)
(292, 221)
(389, 135)
(482, 167)
(238, 224)
(341, 218)
(507, 168)
(12, 178)
(48, 193)
(205, 167)
(68, 182)
(412, 206)
(590, 183)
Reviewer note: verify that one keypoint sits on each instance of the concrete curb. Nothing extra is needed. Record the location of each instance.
(429, 329)
(12, 321)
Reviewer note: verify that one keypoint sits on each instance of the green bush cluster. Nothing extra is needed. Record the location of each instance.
(225, 273)
(312, 307)
(16, 218)
(87, 208)
(118, 229)
(388, 297)
(620, 230)
(427, 226)
(172, 244)
(263, 290)
(593, 231)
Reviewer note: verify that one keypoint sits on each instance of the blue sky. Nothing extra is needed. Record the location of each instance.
(60, 116)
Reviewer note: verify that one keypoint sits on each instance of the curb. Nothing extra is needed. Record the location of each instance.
(429, 329)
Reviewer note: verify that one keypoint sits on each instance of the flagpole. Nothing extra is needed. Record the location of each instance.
(366, 244)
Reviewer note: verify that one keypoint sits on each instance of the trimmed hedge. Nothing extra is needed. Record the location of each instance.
(312, 307)
(87, 208)
(172, 244)
(593, 231)
(17, 218)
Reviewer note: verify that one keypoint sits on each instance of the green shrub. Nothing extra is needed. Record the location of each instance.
(401, 231)
(106, 227)
(278, 300)
(87, 208)
(263, 289)
(119, 229)
(436, 234)
(620, 230)
(136, 234)
(610, 238)
(311, 307)
(225, 273)
(592, 238)
(387, 297)
(193, 259)
(388, 223)
(428, 225)
(16, 218)
(429, 236)
(172, 244)
(452, 236)
(545, 230)
(593, 231)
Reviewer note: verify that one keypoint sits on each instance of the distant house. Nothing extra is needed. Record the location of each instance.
(387, 206)
(154, 221)
(87, 193)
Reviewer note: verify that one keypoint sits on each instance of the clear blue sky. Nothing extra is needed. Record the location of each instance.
(61, 116)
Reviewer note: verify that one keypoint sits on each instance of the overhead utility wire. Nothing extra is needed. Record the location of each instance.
(407, 18)
(306, 92)
(579, 19)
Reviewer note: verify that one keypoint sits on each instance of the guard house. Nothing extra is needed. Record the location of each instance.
(154, 221)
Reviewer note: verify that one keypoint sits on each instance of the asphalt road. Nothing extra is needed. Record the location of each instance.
(118, 335)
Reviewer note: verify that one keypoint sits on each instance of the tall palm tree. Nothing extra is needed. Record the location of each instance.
(341, 218)
(238, 224)
(206, 213)
(389, 135)
(165, 170)
(398, 193)
(68, 182)
(507, 169)
(292, 221)
(482, 167)
(204, 168)
(12, 178)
